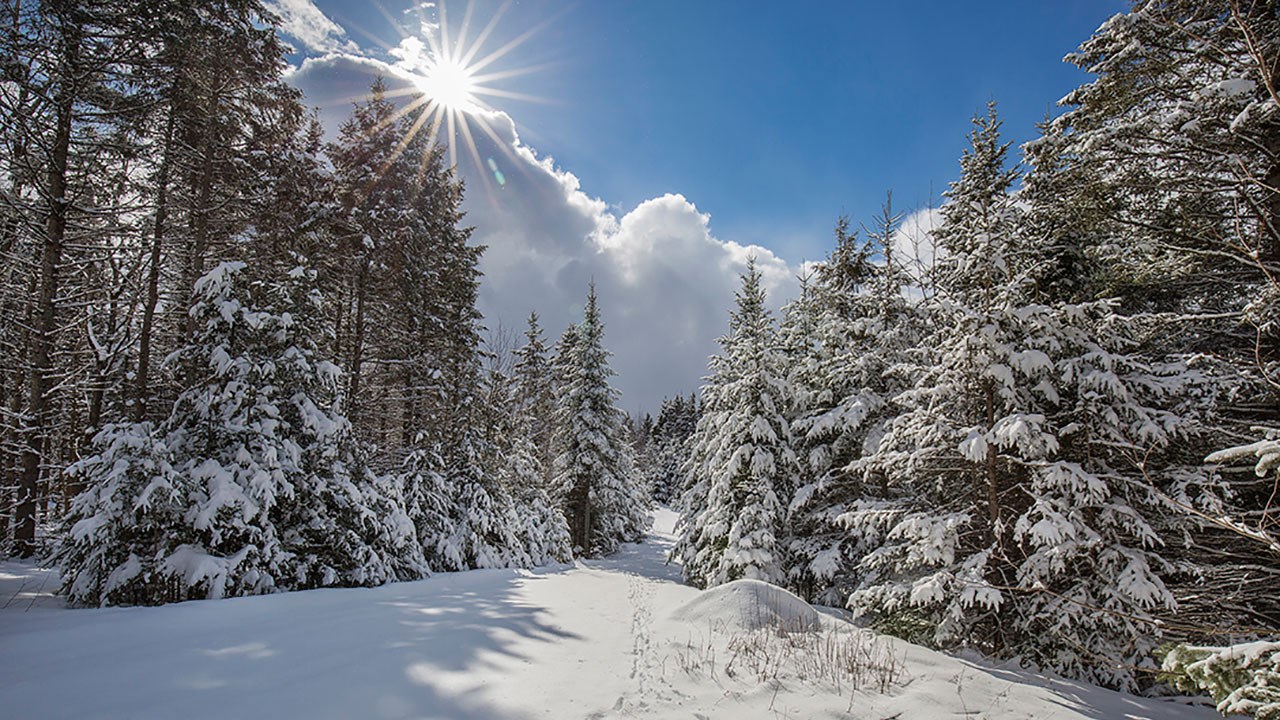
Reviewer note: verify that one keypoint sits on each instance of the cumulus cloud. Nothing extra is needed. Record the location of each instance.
(665, 281)
(913, 242)
(303, 21)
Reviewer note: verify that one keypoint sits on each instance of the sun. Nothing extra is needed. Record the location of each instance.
(448, 82)
(450, 78)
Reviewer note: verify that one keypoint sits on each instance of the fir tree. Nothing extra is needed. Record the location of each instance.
(742, 470)
(254, 483)
(596, 480)
(855, 362)
(1017, 510)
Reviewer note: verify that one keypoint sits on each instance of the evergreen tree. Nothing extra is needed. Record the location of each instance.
(253, 484)
(410, 302)
(596, 481)
(341, 524)
(860, 328)
(669, 444)
(542, 528)
(742, 470)
(1166, 167)
(1018, 503)
(535, 395)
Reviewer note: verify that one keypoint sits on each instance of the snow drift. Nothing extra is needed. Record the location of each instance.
(749, 605)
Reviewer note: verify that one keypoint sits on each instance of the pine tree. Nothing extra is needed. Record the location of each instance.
(742, 470)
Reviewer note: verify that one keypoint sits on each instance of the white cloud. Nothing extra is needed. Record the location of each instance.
(302, 20)
(664, 280)
(913, 242)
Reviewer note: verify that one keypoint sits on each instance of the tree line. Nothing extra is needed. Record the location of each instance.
(1055, 442)
(237, 358)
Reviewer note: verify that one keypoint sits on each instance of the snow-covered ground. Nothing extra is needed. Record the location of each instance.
(617, 637)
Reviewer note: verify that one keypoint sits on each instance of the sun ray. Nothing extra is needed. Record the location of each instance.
(432, 42)
(484, 34)
(376, 39)
(446, 53)
(366, 96)
(395, 153)
(460, 43)
(411, 132)
(408, 108)
(510, 95)
(426, 155)
(453, 136)
(502, 145)
(475, 155)
(480, 79)
(453, 92)
(511, 45)
(437, 117)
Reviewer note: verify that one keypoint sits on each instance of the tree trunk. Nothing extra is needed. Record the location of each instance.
(582, 515)
(44, 324)
(357, 345)
(993, 480)
(199, 229)
(141, 391)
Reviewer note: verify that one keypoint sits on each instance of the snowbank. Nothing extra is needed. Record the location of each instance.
(749, 605)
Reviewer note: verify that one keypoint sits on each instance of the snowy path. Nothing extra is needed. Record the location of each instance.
(590, 640)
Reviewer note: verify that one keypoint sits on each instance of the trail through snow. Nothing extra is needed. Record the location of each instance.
(592, 640)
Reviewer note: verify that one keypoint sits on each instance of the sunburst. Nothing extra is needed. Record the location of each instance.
(448, 83)
(453, 77)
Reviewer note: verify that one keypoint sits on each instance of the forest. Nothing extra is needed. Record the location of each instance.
(241, 357)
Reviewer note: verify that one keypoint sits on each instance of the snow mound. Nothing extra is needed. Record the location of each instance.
(749, 605)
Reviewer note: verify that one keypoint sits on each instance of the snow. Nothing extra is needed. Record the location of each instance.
(748, 605)
(594, 639)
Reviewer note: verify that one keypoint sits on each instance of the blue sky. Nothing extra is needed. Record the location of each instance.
(777, 117)
(771, 118)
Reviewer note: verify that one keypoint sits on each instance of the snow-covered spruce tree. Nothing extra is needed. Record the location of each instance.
(1168, 158)
(122, 524)
(844, 377)
(526, 469)
(466, 516)
(1016, 517)
(939, 519)
(669, 443)
(742, 470)
(535, 394)
(1243, 677)
(596, 481)
(342, 523)
(542, 528)
(481, 527)
(253, 484)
